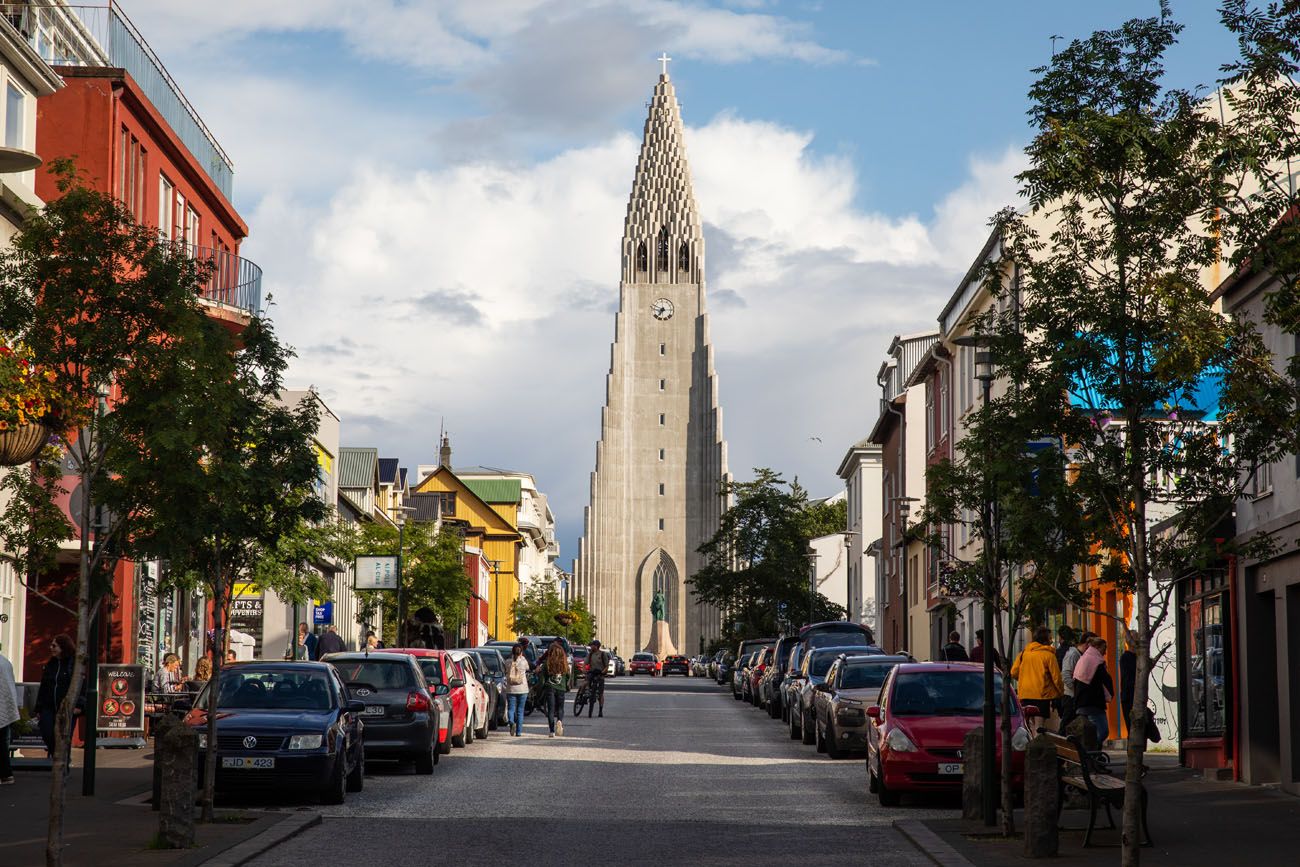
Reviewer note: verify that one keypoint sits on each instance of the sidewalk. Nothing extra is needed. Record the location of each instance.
(1193, 821)
(116, 824)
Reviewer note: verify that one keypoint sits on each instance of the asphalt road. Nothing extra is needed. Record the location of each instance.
(676, 773)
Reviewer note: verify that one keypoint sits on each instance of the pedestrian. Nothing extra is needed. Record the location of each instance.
(597, 666)
(953, 650)
(516, 689)
(1038, 676)
(1093, 688)
(373, 641)
(231, 657)
(1066, 639)
(977, 652)
(1128, 662)
(330, 642)
(8, 716)
(1068, 663)
(306, 647)
(56, 680)
(554, 670)
(202, 674)
(169, 678)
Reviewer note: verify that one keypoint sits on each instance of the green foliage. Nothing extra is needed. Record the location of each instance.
(32, 526)
(757, 565)
(433, 574)
(541, 611)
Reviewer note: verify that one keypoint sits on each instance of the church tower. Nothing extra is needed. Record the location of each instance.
(661, 459)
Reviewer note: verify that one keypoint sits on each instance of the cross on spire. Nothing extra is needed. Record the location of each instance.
(663, 59)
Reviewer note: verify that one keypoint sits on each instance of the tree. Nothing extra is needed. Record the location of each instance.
(540, 611)
(230, 492)
(757, 564)
(433, 574)
(1145, 189)
(103, 306)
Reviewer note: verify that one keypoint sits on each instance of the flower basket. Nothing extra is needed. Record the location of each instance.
(21, 444)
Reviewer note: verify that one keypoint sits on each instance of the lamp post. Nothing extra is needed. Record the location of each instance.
(401, 600)
(985, 374)
(848, 573)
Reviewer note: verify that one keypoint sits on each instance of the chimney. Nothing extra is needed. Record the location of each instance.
(444, 453)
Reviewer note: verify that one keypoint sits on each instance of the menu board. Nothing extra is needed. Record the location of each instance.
(246, 609)
(121, 698)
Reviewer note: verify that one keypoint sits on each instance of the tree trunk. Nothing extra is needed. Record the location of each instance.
(218, 658)
(1004, 735)
(1131, 834)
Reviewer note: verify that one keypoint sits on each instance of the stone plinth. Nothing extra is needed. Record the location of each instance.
(661, 642)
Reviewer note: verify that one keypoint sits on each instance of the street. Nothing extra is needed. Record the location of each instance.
(677, 772)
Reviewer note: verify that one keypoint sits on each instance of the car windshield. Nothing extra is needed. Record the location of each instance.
(643, 657)
(242, 689)
(491, 661)
(865, 676)
(837, 638)
(941, 693)
(376, 673)
(580, 653)
(821, 661)
(431, 668)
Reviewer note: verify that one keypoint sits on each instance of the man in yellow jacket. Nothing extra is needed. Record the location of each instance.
(1038, 675)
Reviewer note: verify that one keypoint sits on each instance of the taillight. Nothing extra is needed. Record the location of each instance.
(417, 701)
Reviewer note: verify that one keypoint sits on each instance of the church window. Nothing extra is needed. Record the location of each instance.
(661, 523)
(662, 418)
(661, 454)
(661, 253)
(661, 489)
(662, 384)
(663, 349)
(641, 263)
(684, 259)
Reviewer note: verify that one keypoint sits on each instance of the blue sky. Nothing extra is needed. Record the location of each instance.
(436, 191)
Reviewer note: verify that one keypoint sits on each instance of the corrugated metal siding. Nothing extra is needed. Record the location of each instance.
(496, 490)
(357, 467)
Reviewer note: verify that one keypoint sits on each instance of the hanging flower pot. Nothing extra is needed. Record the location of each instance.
(21, 444)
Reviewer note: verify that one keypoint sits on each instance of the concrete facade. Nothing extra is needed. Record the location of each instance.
(661, 459)
(860, 471)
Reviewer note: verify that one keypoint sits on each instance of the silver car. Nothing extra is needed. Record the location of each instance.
(840, 702)
(816, 662)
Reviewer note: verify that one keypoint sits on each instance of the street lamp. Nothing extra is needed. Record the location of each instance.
(848, 573)
(985, 373)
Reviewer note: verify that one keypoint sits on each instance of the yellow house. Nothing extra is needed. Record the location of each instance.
(487, 528)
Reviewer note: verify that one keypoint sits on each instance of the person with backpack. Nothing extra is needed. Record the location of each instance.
(554, 671)
(1037, 675)
(516, 689)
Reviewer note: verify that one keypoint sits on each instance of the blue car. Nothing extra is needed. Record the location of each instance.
(283, 725)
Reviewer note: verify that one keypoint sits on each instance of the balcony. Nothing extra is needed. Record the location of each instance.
(235, 283)
(100, 35)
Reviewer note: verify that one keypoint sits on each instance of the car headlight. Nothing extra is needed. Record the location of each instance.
(305, 742)
(898, 741)
(1020, 740)
(203, 740)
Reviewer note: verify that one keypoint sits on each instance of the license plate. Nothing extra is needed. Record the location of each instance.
(373, 710)
(247, 762)
(955, 768)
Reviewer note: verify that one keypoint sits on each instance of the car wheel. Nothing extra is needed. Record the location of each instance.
(819, 736)
(773, 709)
(887, 797)
(469, 730)
(807, 735)
(335, 790)
(832, 746)
(459, 740)
(357, 779)
(482, 733)
(873, 785)
(445, 746)
(424, 761)
(794, 726)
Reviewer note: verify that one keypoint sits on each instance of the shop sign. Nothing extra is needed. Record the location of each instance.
(246, 609)
(322, 612)
(376, 573)
(121, 698)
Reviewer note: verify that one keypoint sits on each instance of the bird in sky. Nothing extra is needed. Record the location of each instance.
(819, 439)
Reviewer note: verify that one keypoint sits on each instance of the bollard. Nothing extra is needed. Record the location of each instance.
(972, 807)
(159, 728)
(1041, 794)
(176, 753)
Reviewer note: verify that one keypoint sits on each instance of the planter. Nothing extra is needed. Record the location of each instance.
(20, 445)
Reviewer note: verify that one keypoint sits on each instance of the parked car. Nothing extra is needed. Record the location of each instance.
(676, 665)
(283, 725)
(739, 672)
(580, 659)
(788, 681)
(914, 742)
(700, 665)
(493, 668)
(620, 665)
(768, 696)
(726, 663)
(751, 645)
(643, 663)
(837, 633)
(840, 702)
(755, 674)
(816, 662)
(611, 670)
(480, 706)
(439, 671)
(400, 715)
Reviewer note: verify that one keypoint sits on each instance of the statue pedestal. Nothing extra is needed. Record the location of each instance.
(661, 643)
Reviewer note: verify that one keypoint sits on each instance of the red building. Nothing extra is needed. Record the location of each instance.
(132, 133)
(478, 569)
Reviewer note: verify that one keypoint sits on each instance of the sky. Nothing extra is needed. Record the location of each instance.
(435, 190)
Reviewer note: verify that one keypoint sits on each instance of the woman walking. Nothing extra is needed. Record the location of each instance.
(554, 669)
(1093, 688)
(55, 682)
(516, 689)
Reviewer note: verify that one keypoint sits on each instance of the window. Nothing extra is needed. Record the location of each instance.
(661, 454)
(1206, 670)
(641, 264)
(663, 384)
(447, 502)
(663, 349)
(166, 207)
(684, 259)
(15, 117)
(131, 174)
(661, 489)
(1262, 483)
(191, 227)
(661, 523)
(661, 251)
(178, 228)
(662, 418)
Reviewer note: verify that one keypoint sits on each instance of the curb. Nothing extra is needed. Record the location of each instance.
(930, 843)
(242, 853)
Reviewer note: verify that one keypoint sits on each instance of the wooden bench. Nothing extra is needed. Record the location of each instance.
(1085, 771)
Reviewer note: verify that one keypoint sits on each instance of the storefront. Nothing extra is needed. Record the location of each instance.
(1205, 666)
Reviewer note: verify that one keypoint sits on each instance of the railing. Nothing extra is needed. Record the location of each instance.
(90, 35)
(235, 281)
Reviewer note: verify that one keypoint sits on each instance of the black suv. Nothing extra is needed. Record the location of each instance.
(400, 716)
(676, 665)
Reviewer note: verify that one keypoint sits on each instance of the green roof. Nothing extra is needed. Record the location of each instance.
(496, 490)
(357, 467)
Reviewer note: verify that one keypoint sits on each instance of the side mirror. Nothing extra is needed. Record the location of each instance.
(356, 706)
(456, 683)
(874, 712)
(441, 689)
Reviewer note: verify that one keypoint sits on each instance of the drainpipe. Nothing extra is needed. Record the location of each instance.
(902, 455)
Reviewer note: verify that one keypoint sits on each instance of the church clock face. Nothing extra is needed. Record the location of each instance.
(662, 309)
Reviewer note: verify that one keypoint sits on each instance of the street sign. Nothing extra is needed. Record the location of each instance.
(376, 573)
(121, 698)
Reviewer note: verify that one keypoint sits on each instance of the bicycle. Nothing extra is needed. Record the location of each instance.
(582, 698)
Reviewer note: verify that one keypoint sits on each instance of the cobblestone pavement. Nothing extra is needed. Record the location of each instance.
(676, 773)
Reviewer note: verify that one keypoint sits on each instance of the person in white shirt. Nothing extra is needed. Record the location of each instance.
(516, 689)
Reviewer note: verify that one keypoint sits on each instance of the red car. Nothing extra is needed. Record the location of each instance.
(441, 670)
(914, 741)
(643, 663)
(756, 674)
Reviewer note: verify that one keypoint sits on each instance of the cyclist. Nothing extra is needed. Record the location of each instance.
(597, 663)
